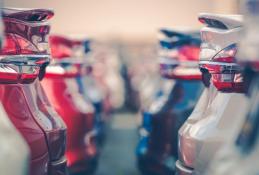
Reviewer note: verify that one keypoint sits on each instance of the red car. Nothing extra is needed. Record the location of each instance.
(23, 58)
(63, 91)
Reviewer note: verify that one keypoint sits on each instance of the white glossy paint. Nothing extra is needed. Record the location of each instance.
(205, 132)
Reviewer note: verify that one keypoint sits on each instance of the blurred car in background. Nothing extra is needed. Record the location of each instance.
(205, 132)
(14, 150)
(157, 149)
(62, 88)
(23, 57)
(240, 155)
(106, 71)
(91, 91)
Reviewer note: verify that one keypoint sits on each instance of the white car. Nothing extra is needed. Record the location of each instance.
(240, 156)
(220, 111)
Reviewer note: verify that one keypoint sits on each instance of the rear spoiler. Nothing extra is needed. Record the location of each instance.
(21, 25)
(176, 39)
(221, 21)
(28, 15)
(61, 53)
(61, 40)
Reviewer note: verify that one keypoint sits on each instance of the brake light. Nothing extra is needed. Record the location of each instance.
(9, 74)
(68, 56)
(227, 55)
(25, 46)
(23, 38)
(225, 72)
(15, 45)
(62, 47)
(189, 53)
(29, 73)
(67, 70)
(60, 51)
(56, 71)
(181, 63)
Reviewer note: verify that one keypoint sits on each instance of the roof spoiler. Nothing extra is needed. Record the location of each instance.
(175, 38)
(221, 21)
(28, 15)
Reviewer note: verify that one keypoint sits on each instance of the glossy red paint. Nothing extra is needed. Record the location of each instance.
(64, 95)
(63, 92)
(23, 119)
(48, 119)
(21, 92)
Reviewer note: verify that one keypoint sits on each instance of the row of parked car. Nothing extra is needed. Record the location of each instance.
(52, 107)
(204, 116)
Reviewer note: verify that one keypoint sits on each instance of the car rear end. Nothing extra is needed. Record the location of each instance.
(61, 87)
(178, 62)
(200, 138)
(240, 156)
(24, 55)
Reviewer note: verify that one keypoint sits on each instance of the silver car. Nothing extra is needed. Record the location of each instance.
(240, 156)
(220, 111)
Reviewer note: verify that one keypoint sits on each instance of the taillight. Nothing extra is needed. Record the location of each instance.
(29, 73)
(17, 45)
(181, 63)
(60, 51)
(226, 74)
(11, 73)
(62, 47)
(56, 71)
(25, 45)
(67, 69)
(23, 38)
(189, 53)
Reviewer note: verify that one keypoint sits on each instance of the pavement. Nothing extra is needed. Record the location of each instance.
(118, 153)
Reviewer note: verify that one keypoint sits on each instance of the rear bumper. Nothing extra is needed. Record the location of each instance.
(58, 167)
(183, 170)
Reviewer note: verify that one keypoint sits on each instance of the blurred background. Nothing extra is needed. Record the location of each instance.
(124, 19)
(127, 30)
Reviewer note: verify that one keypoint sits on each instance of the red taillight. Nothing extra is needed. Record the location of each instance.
(225, 72)
(60, 51)
(181, 63)
(29, 73)
(16, 45)
(10, 73)
(189, 53)
(228, 82)
(57, 71)
(67, 70)
(22, 38)
(25, 46)
(62, 47)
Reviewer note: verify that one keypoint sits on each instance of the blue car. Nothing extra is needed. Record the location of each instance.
(173, 103)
